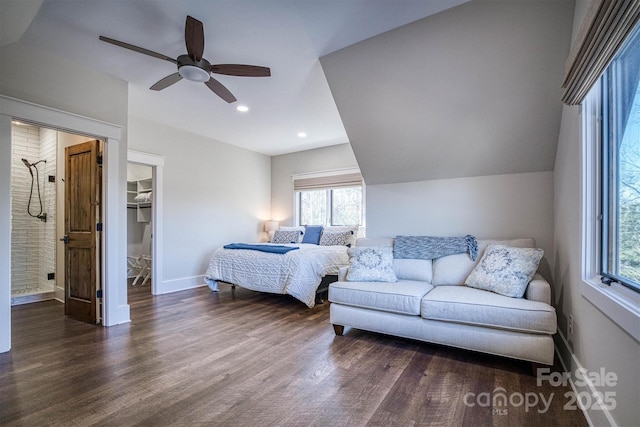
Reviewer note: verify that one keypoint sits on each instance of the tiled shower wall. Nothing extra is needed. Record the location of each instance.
(32, 241)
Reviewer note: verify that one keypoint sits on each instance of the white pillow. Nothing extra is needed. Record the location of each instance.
(505, 270)
(337, 238)
(282, 236)
(454, 269)
(338, 228)
(299, 228)
(371, 264)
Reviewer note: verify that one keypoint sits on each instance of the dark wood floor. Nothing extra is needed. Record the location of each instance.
(245, 358)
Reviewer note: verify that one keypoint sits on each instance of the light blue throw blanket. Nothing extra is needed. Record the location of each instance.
(428, 247)
(274, 249)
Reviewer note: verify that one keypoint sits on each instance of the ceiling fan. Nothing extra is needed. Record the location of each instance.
(192, 66)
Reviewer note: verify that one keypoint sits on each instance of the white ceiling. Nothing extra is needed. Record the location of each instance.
(286, 35)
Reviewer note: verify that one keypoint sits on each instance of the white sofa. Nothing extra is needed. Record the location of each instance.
(430, 302)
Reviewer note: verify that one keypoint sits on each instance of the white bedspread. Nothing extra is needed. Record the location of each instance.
(297, 273)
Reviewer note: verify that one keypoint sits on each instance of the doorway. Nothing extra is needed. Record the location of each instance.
(38, 213)
(115, 309)
(145, 219)
(139, 225)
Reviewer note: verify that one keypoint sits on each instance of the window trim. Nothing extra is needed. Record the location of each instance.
(620, 304)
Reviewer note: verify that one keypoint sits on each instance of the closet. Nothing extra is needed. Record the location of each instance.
(139, 214)
(139, 197)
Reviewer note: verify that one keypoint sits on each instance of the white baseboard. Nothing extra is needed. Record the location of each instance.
(181, 284)
(595, 414)
(59, 294)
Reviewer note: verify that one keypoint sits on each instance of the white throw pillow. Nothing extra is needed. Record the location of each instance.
(505, 270)
(454, 269)
(371, 264)
(337, 238)
(281, 236)
(299, 228)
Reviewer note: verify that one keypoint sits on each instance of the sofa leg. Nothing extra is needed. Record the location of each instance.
(338, 329)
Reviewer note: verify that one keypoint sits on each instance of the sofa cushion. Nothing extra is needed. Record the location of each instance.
(414, 269)
(505, 270)
(375, 241)
(454, 269)
(461, 304)
(403, 296)
(371, 264)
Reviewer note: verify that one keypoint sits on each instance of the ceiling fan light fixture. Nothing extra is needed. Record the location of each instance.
(194, 73)
(192, 66)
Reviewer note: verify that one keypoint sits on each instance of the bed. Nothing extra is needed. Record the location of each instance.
(298, 272)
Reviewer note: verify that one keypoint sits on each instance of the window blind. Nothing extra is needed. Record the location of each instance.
(329, 181)
(605, 27)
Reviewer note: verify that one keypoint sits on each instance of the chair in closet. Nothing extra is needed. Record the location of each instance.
(140, 265)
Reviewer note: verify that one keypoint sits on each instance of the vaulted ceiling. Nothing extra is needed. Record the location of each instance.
(472, 91)
(422, 89)
(286, 35)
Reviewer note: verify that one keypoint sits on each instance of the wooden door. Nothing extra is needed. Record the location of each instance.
(82, 215)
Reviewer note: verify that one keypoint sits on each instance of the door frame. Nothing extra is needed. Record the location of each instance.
(115, 308)
(157, 182)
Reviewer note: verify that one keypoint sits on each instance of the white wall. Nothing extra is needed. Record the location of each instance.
(316, 160)
(471, 91)
(597, 342)
(39, 77)
(214, 194)
(501, 206)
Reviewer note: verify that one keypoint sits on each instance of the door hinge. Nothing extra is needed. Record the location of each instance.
(99, 293)
(99, 226)
(99, 159)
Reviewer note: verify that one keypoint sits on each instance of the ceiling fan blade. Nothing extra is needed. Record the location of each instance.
(219, 89)
(194, 38)
(166, 82)
(241, 70)
(138, 49)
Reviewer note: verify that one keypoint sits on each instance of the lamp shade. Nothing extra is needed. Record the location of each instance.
(270, 226)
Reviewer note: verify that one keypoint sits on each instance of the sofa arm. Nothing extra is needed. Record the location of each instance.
(342, 273)
(538, 290)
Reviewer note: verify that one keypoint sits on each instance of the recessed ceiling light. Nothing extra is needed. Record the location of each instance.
(242, 108)
(302, 134)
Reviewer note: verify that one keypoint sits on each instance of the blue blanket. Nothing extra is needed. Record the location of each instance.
(274, 249)
(428, 247)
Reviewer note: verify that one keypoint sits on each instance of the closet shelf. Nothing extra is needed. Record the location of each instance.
(134, 189)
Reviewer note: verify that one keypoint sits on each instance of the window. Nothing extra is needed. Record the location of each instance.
(337, 206)
(329, 198)
(620, 177)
